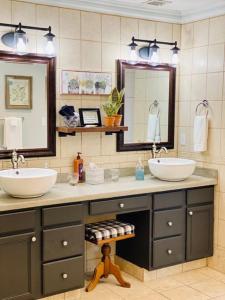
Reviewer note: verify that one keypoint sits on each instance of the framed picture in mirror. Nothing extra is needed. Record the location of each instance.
(18, 92)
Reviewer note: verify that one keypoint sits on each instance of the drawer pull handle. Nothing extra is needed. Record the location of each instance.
(65, 243)
(170, 224)
(64, 276)
(169, 251)
(190, 213)
(121, 205)
(34, 239)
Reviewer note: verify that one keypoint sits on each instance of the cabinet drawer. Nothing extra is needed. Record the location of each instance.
(168, 251)
(62, 214)
(169, 222)
(169, 200)
(17, 221)
(120, 205)
(63, 275)
(202, 195)
(63, 242)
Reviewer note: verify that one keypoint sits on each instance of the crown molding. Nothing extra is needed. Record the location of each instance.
(121, 8)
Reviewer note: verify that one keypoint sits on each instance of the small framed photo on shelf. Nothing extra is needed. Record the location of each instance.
(18, 92)
(90, 117)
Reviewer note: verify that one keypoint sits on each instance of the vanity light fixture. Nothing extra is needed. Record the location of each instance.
(155, 53)
(175, 57)
(18, 39)
(50, 47)
(151, 52)
(133, 51)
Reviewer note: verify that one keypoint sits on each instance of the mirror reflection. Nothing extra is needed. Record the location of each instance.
(23, 105)
(146, 105)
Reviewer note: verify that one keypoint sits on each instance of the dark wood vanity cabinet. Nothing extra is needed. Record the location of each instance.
(20, 255)
(42, 249)
(200, 219)
(179, 229)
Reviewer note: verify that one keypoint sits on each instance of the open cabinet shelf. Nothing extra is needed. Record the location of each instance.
(64, 131)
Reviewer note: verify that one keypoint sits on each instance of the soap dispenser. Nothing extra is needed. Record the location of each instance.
(139, 172)
(79, 167)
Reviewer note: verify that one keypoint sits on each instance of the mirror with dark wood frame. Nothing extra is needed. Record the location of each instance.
(148, 105)
(27, 105)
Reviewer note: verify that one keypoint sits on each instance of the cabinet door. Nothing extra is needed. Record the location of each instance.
(19, 266)
(199, 232)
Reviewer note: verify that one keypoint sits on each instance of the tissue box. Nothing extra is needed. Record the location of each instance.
(95, 176)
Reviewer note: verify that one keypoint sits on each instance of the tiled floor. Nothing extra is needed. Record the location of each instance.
(198, 284)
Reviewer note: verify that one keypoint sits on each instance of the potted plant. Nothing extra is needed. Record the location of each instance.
(116, 98)
(109, 109)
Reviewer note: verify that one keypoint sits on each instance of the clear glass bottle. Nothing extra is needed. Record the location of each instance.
(139, 172)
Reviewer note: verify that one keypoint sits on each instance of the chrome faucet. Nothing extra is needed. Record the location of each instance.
(16, 159)
(156, 152)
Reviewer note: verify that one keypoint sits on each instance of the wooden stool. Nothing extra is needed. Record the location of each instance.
(106, 267)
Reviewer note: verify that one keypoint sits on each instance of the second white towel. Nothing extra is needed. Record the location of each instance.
(200, 134)
(13, 133)
(153, 130)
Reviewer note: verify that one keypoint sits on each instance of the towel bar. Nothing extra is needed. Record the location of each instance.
(203, 103)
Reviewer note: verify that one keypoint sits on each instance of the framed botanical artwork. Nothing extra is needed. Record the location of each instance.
(90, 117)
(85, 83)
(18, 92)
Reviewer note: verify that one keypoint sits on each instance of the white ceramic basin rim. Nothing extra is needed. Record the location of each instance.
(172, 169)
(27, 182)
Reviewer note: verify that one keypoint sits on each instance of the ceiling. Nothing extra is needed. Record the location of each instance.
(177, 11)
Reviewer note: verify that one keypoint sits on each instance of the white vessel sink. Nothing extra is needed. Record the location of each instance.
(27, 182)
(171, 169)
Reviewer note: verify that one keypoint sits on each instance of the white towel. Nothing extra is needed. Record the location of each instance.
(200, 134)
(153, 130)
(13, 133)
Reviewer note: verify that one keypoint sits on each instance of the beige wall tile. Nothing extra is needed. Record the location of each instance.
(129, 28)
(111, 29)
(70, 58)
(90, 26)
(215, 86)
(217, 30)
(147, 29)
(201, 33)
(199, 60)
(186, 62)
(187, 36)
(185, 88)
(91, 56)
(5, 12)
(70, 146)
(69, 23)
(24, 13)
(164, 31)
(91, 144)
(216, 58)
(48, 16)
(198, 87)
(110, 55)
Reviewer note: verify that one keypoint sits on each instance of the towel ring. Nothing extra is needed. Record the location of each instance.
(205, 105)
(154, 105)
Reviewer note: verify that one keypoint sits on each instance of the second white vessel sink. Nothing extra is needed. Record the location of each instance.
(27, 182)
(171, 169)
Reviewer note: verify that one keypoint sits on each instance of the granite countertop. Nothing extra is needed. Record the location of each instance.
(63, 193)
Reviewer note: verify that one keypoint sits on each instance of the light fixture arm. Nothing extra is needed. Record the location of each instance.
(20, 26)
(154, 42)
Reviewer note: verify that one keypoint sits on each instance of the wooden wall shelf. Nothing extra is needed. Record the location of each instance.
(64, 131)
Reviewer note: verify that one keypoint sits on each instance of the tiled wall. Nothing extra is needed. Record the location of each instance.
(202, 77)
(86, 41)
